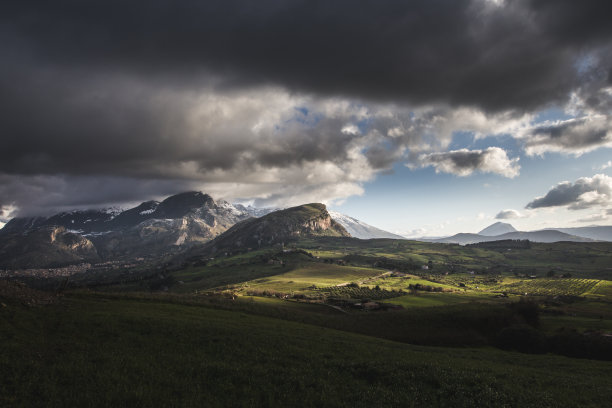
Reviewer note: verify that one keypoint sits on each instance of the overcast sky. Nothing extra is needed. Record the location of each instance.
(425, 117)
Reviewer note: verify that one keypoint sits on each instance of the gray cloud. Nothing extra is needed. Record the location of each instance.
(231, 144)
(43, 195)
(464, 162)
(116, 101)
(586, 192)
(574, 136)
(508, 214)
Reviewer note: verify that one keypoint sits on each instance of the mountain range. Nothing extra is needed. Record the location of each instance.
(153, 229)
(504, 231)
(182, 222)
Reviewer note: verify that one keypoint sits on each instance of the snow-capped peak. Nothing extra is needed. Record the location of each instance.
(360, 229)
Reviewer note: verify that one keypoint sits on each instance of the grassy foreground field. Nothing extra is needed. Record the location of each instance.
(98, 350)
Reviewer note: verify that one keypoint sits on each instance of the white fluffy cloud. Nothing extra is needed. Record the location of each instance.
(464, 162)
(586, 192)
(508, 214)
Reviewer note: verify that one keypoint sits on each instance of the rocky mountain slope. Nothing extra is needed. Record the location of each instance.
(46, 246)
(355, 227)
(309, 220)
(177, 222)
(150, 229)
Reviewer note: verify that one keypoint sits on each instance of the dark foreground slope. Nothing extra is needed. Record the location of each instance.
(108, 351)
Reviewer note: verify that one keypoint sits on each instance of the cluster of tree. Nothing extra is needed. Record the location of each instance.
(267, 293)
(503, 244)
(523, 335)
(569, 343)
(396, 265)
(427, 288)
(552, 273)
(161, 282)
(341, 262)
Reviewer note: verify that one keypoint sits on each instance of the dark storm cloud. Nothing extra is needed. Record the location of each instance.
(586, 192)
(44, 195)
(73, 123)
(159, 96)
(517, 55)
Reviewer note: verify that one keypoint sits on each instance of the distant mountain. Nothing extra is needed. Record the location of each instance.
(309, 220)
(502, 231)
(498, 228)
(543, 236)
(254, 211)
(533, 236)
(599, 233)
(462, 238)
(360, 229)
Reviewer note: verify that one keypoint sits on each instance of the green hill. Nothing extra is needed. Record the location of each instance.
(110, 351)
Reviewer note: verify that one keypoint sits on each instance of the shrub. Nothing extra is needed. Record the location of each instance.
(528, 311)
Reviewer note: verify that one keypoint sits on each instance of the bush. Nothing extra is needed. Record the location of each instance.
(528, 311)
(574, 344)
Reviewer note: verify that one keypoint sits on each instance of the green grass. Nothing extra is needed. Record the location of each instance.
(584, 260)
(202, 278)
(108, 351)
(319, 274)
(436, 299)
(551, 324)
(603, 290)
